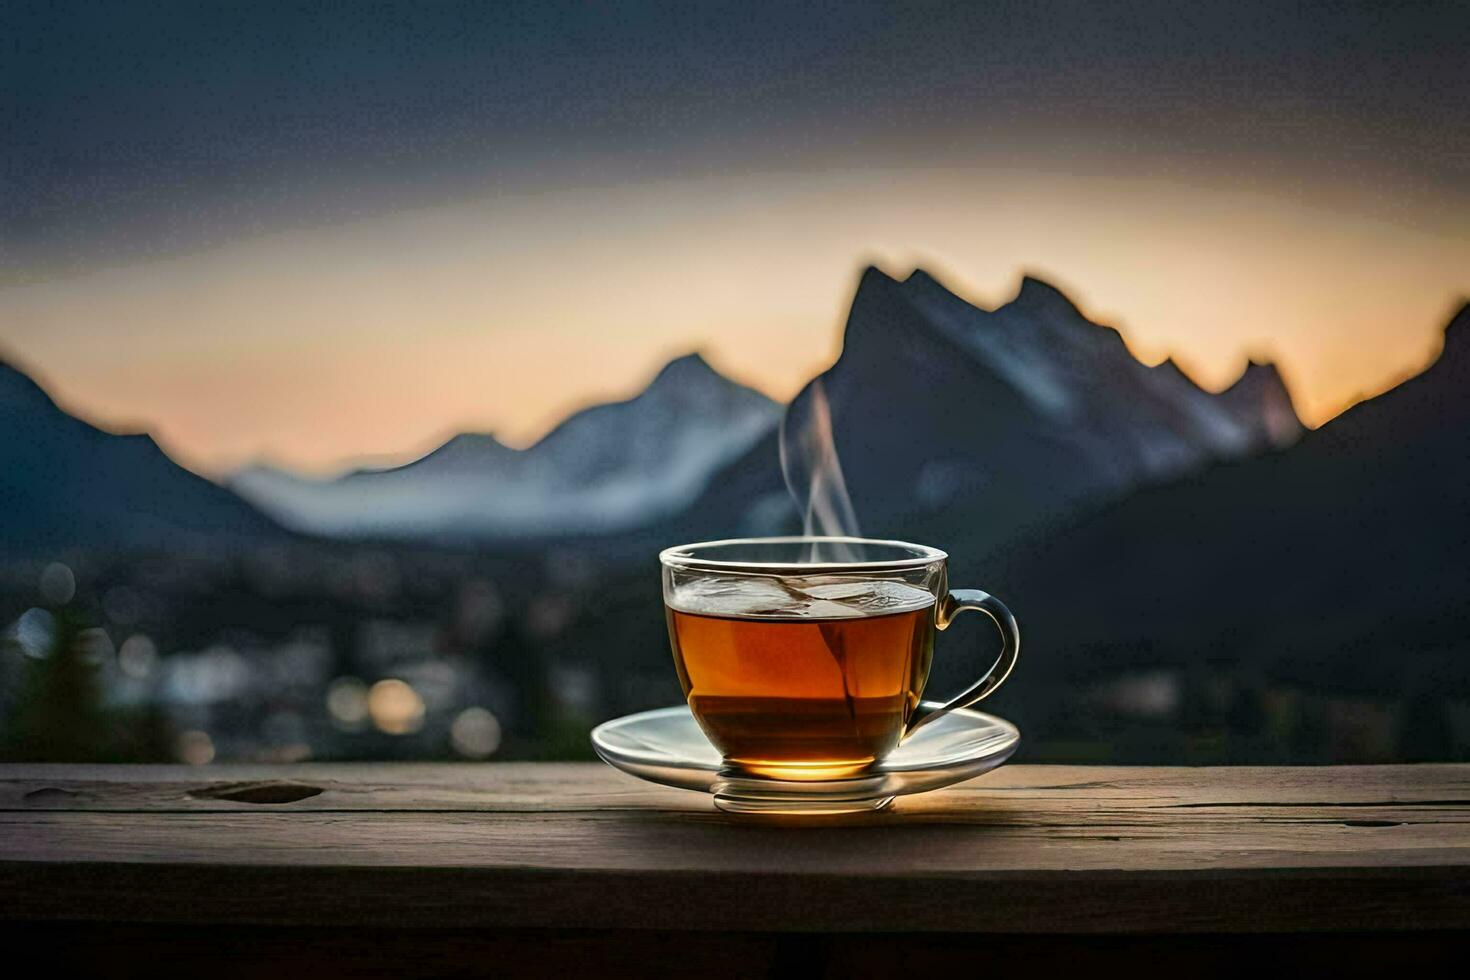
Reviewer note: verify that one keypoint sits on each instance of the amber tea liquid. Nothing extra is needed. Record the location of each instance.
(814, 685)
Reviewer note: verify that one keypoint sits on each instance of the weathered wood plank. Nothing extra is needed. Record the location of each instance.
(496, 785)
(1023, 849)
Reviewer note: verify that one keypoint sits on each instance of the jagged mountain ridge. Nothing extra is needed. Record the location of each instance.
(1073, 371)
(1029, 411)
(1339, 565)
(604, 469)
(67, 484)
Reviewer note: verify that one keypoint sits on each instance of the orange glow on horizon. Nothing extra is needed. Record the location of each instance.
(377, 340)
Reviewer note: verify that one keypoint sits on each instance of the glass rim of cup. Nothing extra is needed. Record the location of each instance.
(684, 556)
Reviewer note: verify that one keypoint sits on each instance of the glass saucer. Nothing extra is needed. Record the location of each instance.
(666, 746)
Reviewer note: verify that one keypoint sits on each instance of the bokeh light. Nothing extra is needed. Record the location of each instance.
(347, 701)
(95, 646)
(34, 631)
(57, 584)
(395, 707)
(137, 656)
(195, 748)
(475, 733)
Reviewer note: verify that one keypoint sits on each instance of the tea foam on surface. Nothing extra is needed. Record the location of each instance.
(817, 597)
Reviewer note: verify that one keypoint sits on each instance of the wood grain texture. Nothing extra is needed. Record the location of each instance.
(579, 846)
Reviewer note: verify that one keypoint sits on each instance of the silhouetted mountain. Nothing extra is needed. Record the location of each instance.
(1340, 564)
(64, 483)
(1023, 413)
(605, 469)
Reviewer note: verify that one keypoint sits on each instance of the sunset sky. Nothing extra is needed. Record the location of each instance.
(319, 238)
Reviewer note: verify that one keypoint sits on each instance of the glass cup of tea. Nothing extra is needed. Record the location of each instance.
(805, 658)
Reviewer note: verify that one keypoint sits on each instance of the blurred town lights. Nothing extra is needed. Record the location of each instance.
(195, 747)
(95, 646)
(57, 584)
(475, 733)
(347, 701)
(137, 656)
(395, 707)
(34, 631)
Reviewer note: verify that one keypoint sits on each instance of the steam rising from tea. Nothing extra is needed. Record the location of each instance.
(809, 460)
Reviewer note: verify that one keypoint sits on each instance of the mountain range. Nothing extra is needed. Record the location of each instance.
(986, 426)
(1031, 406)
(606, 469)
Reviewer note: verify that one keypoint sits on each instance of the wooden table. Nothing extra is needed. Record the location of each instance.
(510, 868)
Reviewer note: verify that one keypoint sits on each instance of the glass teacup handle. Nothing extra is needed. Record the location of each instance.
(955, 602)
